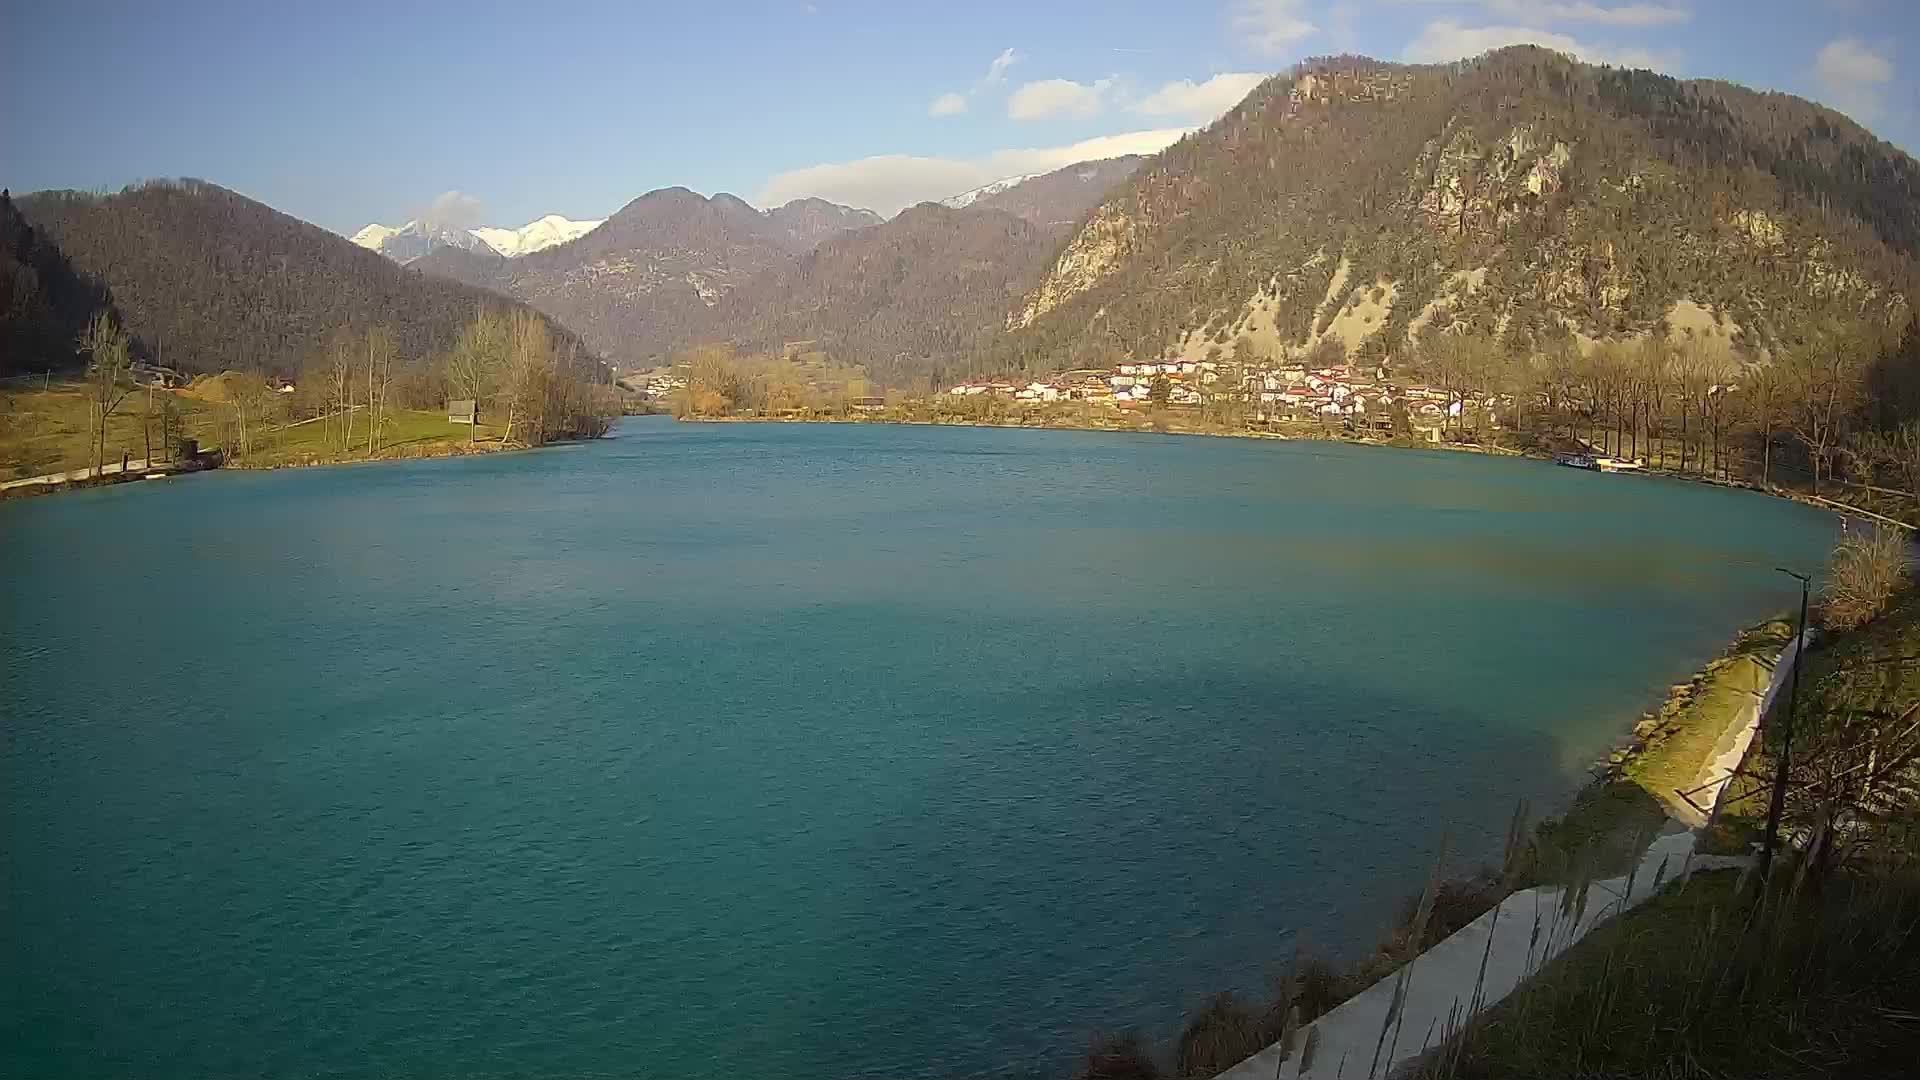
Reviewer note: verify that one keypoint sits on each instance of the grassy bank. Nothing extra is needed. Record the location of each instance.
(1638, 792)
(1602, 834)
(409, 433)
(46, 428)
(1815, 972)
(1706, 980)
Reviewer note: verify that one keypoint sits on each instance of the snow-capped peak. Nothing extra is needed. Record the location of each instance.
(535, 235)
(374, 235)
(414, 239)
(968, 198)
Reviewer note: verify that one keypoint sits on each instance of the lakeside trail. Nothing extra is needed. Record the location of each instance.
(1635, 831)
(1670, 768)
(77, 479)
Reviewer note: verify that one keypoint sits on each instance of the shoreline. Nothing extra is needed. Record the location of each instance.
(25, 488)
(1308, 435)
(1636, 790)
(1499, 950)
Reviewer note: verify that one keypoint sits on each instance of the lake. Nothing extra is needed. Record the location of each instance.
(792, 751)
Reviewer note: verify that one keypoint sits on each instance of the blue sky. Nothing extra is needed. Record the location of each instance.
(344, 113)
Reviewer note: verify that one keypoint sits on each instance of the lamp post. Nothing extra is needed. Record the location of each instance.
(1778, 805)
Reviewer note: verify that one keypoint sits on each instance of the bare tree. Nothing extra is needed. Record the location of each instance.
(1827, 379)
(379, 363)
(340, 356)
(1764, 405)
(109, 377)
(530, 371)
(1902, 454)
(250, 397)
(1718, 374)
(172, 426)
(478, 361)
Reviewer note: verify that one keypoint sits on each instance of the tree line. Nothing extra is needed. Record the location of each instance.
(505, 360)
(1842, 402)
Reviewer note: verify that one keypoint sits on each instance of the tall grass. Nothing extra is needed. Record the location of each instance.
(1125, 1056)
(1806, 978)
(1867, 567)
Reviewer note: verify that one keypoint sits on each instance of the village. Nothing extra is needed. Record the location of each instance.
(1280, 392)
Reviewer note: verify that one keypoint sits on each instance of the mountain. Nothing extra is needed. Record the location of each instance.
(206, 279)
(920, 296)
(44, 301)
(538, 235)
(901, 298)
(806, 222)
(1352, 204)
(1057, 199)
(968, 198)
(417, 239)
(649, 277)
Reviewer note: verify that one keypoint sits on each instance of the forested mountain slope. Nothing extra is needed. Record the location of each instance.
(650, 276)
(1523, 195)
(918, 297)
(1059, 199)
(44, 301)
(206, 279)
(902, 299)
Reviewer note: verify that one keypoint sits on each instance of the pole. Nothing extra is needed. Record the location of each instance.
(1776, 808)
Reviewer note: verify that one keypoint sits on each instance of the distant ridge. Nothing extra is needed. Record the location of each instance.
(651, 276)
(207, 279)
(416, 239)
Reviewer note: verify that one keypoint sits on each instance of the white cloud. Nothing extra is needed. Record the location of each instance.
(1852, 77)
(1051, 97)
(1271, 26)
(948, 105)
(1445, 39)
(1204, 100)
(1599, 14)
(997, 71)
(953, 104)
(453, 210)
(889, 183)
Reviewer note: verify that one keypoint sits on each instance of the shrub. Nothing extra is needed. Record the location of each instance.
(1118, 1057)
(1867, 566)
(1320, 988)
(1221, 1035)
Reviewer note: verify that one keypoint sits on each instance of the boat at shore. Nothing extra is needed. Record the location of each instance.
(1599, 463)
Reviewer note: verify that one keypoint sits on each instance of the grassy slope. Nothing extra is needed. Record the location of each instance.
(47, 430)
(44, 431)
(1698, 982)
(1695, 984)
(1874, 666)
(411, 433)
(1609, 822)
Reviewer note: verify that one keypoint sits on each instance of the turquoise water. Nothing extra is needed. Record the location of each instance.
(790, 751)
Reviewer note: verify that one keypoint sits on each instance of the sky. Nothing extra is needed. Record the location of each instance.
(344, 113)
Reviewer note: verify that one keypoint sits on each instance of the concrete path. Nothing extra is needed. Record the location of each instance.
(1714, 777)
(1471, 970)
(111, 468)
(1487, 959)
